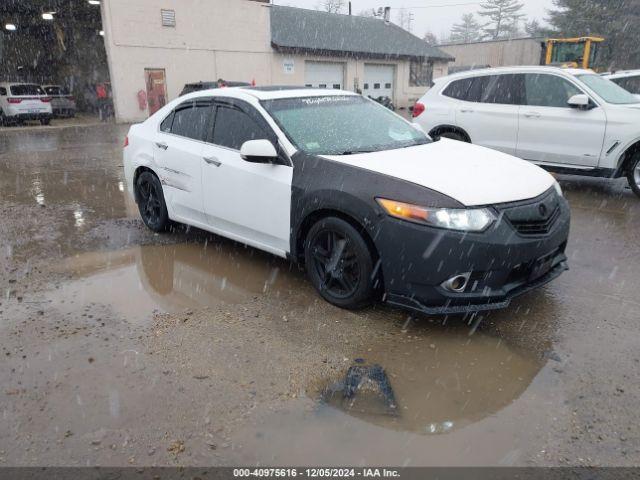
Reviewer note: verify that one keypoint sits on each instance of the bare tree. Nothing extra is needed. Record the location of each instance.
(404, 18)
(503, 15)
(468, 30)
(430, 38)
(331, 6)
(533, 28)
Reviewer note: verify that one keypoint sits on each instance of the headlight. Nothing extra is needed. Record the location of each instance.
(556, 185)
(468, 220)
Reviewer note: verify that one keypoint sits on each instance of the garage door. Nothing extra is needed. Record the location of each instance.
(378, 80)
(324, 75)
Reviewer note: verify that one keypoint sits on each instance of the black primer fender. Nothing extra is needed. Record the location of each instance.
(320, 184)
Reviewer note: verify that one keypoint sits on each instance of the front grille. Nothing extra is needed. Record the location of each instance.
(536, 217)
(537, 227)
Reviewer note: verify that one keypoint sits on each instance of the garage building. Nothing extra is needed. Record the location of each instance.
(153, 50)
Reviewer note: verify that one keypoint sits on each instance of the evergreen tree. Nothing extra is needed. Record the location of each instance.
(468, 30)
(618, 22)
(503, 16)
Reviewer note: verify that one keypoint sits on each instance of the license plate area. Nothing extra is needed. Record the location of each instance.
(541, 266)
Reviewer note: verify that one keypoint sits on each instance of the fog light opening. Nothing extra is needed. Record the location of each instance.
(458, 283)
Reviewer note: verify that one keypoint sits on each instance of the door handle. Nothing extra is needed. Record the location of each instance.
(532, 115)
(212, 161)
(466, 110)
(162, 145)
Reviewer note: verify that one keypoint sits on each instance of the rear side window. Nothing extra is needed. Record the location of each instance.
(190, 120)
(3, 91)
(22, 90)
(500, 89)
(548, 90)
(234, 127)
(458, 89)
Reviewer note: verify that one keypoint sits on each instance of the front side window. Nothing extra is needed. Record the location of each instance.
(607, 90)
(342, 125)
(233, 127)
(420, 73)
(190, 120)
(544, 90)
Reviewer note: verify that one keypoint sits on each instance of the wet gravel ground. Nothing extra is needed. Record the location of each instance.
(122, 347)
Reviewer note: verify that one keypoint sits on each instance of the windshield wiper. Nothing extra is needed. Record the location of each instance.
(354, 152)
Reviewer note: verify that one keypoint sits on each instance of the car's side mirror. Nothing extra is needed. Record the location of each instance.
(259, 151)
(580, 101)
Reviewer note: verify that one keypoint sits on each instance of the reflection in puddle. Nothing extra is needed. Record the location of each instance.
(170, 278)
(445, 381)
(456, 405)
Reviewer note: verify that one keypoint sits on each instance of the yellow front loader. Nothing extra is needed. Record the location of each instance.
(572, 52)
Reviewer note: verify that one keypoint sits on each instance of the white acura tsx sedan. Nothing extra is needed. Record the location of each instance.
(367, 202)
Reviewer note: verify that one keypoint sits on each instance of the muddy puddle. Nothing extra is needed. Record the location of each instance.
(141, 281)
(459, 399)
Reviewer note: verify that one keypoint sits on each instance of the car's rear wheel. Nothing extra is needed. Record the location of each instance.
(633, 174)
(151, 204)
(339, 263)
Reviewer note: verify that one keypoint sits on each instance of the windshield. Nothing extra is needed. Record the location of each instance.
(607, 90)
(342, 125)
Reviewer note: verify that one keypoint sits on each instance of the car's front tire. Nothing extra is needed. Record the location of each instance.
(339, 263)
(151, 204)
(633, 174)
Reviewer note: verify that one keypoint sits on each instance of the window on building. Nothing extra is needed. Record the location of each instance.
(168, 18)
(366, 86)
(234, 127)
(190, 120)
(322, 85)
(549, 90)
(387, 85)
(336, 86)
(420, 73)
(376, 86)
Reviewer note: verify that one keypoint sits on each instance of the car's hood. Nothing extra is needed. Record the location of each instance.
(470, 174)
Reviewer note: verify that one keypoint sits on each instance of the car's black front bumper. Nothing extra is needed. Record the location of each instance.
(505, 261)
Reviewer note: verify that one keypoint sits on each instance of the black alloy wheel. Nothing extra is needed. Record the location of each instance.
(151, 204)
(339, 263)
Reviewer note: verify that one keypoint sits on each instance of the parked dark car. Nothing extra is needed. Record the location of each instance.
(196, 87)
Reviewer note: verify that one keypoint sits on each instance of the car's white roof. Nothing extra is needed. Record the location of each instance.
(519, 69)
(267, 93)
(623, 74)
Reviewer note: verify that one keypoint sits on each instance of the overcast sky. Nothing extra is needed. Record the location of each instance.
(437, 18)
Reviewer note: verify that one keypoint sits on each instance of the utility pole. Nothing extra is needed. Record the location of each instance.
(410, 21)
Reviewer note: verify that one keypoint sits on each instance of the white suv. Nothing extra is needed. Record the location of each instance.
(24, 101)
(566, 120)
